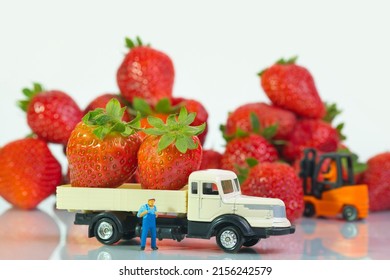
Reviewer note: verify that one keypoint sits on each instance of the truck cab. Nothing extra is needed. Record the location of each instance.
(216, 207)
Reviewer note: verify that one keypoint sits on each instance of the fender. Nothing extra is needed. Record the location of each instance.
(230, 219)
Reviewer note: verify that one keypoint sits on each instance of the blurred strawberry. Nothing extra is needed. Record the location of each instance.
(238, 150)
(29, 173)
(377, 177)
(32, 235)
(51, 115)
(101, 102)
(102, 150)
(310, 133)
(171, 153)
(292, 87)
(276, 180)
(268, 115)
(145, 73)
(211, 160)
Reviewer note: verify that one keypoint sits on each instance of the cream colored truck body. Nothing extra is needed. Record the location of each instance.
(210, 205)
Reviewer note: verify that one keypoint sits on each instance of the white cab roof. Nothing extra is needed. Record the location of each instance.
(212, 175)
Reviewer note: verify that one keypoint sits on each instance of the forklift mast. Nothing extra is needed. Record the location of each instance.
(310, 170)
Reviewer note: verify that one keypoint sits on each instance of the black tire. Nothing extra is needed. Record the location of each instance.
(309, 210)
(230, 239)
(106, 231)
(350, 213)
(251, 242)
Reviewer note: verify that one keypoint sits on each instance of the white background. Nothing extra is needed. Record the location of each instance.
(217, 48)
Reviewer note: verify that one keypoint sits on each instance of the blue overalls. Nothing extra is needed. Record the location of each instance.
(148, 223)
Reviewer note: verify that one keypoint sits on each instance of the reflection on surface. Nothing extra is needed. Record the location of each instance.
(335, 239)
(27, 235)
(35, 235)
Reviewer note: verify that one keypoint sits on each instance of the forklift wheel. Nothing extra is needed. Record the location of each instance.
(350, 213)
(309, 210)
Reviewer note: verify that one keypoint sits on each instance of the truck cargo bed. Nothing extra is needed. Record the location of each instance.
(128, 197)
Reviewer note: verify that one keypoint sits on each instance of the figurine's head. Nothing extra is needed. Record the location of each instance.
(151, 202)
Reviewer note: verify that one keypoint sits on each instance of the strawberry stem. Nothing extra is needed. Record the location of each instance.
(133, 44)
(291, 60)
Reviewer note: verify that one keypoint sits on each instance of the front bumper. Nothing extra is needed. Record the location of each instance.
(266, 232)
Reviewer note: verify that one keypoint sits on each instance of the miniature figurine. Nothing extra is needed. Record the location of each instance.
(148, 213)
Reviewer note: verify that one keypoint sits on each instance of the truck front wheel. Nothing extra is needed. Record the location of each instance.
(106, 231)
(230, 239)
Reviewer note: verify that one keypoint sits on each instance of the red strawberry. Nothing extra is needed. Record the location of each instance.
(276, 180)
(145, 73)
(309, 133)
(292, 87)
(211, 160)
(171, 153)
(377, 177)
(101, 102)
(29, 173)
(268, 115)
(241, 148)
(102, 150)
(51, 115)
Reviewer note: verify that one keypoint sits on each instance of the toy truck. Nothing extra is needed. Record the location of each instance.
(210, 205)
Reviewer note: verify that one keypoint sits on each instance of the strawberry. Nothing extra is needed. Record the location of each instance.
(101, 102)
(102, 150)
(29, 173)
(268, 115)
(292, 87)
(251, 146)
(145, 73)
(377, 177)
(311, 133)
(276, 180)
(211, 160)
(170, 153)
(51, 115)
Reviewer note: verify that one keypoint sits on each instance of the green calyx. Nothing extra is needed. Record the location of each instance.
(243, 172)
(358, 167)
(134, 43)
(29, 94)
(281, 61)
(109, 120)
(176, 130)
(332, 111)
(268, 132)
(163, 106)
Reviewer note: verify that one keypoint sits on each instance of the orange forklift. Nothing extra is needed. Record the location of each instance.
(329, 186)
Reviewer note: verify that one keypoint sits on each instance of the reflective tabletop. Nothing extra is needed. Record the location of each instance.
(48, 233)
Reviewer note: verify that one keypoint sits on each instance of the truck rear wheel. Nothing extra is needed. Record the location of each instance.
(106, 231)
(230, 239)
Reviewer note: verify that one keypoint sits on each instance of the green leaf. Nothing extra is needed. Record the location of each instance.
(37, 88)
(156, 122)
(183, 114)
(164, 106)
(119, 127)
(113, 108)
(165, 141)
(154, 131)
(291, 60)
(339, 129)
(270, 131)
(195, 130)
(129, 43)
(181, 144)
(255, 123)
(260, 73)
(240, 133)
(23, 104)
(142, 106)
(102, 119)
(27, 92)
(171, 121)
(139, 42)
(190, 119)
(101, 132)
(252, 162)
(191, 144)
(331, 112)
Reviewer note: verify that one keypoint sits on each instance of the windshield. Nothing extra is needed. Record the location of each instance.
(227, 186)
